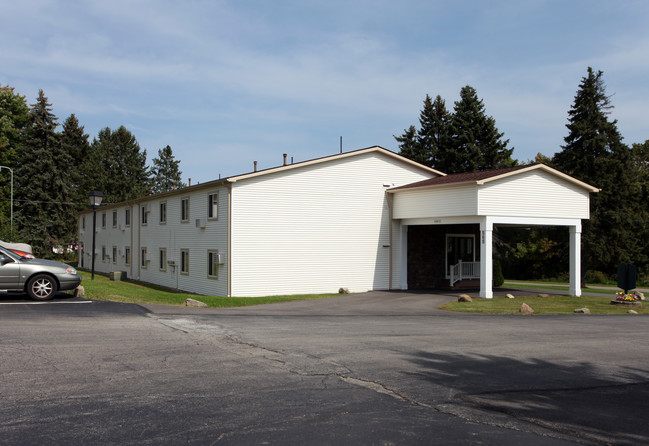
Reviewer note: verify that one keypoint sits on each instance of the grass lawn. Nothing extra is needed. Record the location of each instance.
(102, 288)
(545, 305)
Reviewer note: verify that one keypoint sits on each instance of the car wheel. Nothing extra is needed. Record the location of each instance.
(41, 287)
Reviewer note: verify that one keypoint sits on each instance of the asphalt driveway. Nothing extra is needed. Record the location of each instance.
(373, 368)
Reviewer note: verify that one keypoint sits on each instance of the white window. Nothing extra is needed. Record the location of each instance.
(127, 217)
(184, 209)
(83, 222)
(145, 215)
(163, 259)
(213, 206)
(114, 219)
(127, 255)
(103, 254)
(184, 261)
(114, 254)
(143, 258)
(213, 264)
(103, 220)
(163, 212)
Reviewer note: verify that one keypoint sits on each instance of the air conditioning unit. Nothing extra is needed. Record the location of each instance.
(200, 223)
(220, 259)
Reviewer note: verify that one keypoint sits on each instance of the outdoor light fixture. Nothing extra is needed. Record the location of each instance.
(95, 202)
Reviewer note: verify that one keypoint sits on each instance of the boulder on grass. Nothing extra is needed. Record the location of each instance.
(79, 291)
(464, 298)
(544, 295)
(632, 312)
(526, 309)
(195, 303)
(343, 290)
(582, 310)
(509, 296)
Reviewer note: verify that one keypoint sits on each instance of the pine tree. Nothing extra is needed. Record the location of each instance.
(14, 114)
(423, 145)
(166, 172)
(43, 189)
(74, 141)
(117, 166)
(594, 153)
(474, 141)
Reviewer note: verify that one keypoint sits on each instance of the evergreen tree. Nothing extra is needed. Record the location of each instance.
(14, 114)
(424, 145)
(463, 141)
(474, 141)
(166, 173)
(42, 176)
(74, 141)
(594, 153)
(117, 166)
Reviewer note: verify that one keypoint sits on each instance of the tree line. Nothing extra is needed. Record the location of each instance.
(55, 169)
(467, 140)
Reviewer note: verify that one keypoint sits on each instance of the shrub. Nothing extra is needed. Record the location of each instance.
(498, 277)
(596, 277)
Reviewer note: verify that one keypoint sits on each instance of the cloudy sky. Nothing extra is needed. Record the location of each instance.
(225, 83)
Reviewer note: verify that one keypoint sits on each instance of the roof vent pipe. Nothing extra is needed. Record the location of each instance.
(190, 182)
(285, 159)
(255, 166)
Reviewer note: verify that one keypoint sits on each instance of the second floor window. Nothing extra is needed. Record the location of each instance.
(163, 212)
(213, 206)
(127, 217)
(184, 209)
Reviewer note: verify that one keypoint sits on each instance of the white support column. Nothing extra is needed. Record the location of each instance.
(575, 260)
(403, 241)
(486, 259)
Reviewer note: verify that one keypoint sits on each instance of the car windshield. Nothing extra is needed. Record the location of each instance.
(8, 253)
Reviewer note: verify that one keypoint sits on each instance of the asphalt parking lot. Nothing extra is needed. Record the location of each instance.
(377, 368)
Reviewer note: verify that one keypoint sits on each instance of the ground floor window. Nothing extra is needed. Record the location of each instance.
(163, 259)
(213, 264)
(184, 261)
(114, 254)
(127, 255)
(143, 258)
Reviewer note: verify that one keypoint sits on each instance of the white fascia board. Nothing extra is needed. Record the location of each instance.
(545, 168)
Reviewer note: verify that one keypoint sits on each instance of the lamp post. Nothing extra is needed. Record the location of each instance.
(95, 202)
(12, 199)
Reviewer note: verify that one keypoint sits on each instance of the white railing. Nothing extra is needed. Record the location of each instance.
(464, 270)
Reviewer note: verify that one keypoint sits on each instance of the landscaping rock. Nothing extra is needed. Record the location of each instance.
(582, 310)
(640, 295)
(464, 298)
(195, 303)
(343, 291)
(526, 309)
(509, 296)
(79, 291)
(544, 295)
(632, 312)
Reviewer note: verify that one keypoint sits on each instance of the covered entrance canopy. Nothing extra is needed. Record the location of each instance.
(523, 195)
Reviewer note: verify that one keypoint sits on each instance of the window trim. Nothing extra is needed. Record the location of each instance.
(184, 209)
(211, 206)
(163, 213)
(103, 220)
(162, 259)
(114, 219)
(127, 217)
(143, 257)
(127, 255)
(114, 259)
(184, 261)
(211, 266)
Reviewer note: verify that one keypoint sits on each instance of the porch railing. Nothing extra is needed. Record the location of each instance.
(464, 270)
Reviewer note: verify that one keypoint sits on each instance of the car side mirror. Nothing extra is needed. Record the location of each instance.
(4, 260)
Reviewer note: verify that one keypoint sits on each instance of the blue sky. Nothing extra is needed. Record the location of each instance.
(225, 83)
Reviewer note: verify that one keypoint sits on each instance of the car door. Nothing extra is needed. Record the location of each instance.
(9, 273)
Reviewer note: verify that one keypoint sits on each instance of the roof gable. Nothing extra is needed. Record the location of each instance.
(486, 176)
(374, 149)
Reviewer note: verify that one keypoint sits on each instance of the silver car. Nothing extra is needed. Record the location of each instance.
(39, 278)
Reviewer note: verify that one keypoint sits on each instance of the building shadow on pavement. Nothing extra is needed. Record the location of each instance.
(574, 399)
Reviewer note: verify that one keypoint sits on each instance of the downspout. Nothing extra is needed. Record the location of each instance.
(388, 196)
(229, 239)
(139, 240)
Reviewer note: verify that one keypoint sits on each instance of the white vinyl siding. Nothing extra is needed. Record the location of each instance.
(445, 201)
(317, 228)
(531, 194)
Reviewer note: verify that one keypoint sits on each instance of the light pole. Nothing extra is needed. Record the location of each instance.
(12, 200)
(95, 202)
